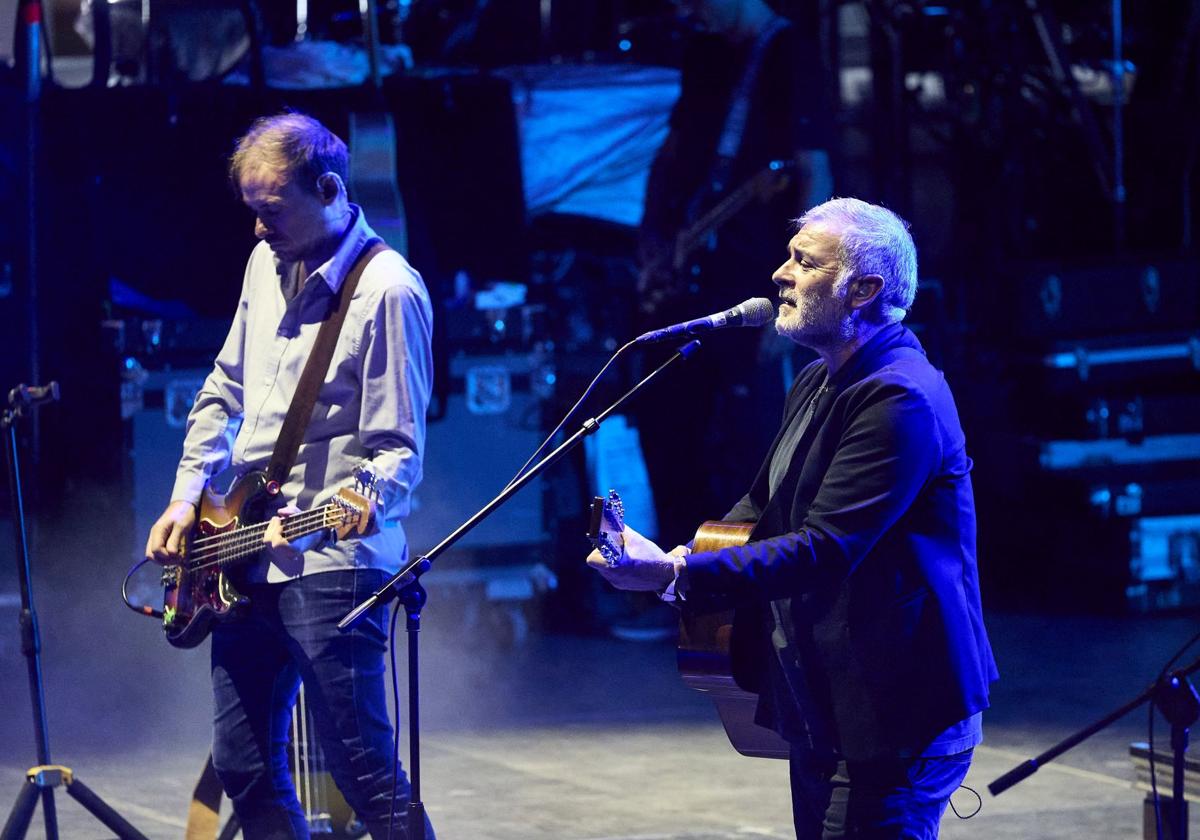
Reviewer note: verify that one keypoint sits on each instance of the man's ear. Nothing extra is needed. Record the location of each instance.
(864, 290)
(329, 187)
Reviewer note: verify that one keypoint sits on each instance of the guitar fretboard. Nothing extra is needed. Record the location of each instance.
(242, 543)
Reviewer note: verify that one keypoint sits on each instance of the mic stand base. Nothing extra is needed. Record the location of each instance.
(1177, 700)
(1166, 809)
(45, 777)
(43, 780)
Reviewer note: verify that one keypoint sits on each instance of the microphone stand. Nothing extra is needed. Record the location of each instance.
(1179, 704)
(406, 585)
(45, 777)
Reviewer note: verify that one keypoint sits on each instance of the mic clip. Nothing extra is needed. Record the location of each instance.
(28, 396)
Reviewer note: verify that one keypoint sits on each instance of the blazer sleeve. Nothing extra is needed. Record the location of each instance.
(889, 448)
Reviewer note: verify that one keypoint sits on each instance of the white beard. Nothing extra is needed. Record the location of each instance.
(815, 321)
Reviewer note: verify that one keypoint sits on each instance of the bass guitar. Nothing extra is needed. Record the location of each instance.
(703, 655)
(761, 187)
(670, 276)
(199, 591)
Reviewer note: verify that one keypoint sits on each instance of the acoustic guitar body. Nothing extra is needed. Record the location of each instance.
(705, 663)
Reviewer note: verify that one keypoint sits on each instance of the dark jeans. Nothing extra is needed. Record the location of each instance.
(289, 634)
(899, 799)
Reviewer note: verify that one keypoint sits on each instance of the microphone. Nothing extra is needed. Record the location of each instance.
(749, 313)
(27, 396)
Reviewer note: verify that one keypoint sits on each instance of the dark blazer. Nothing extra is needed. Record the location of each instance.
(872, 536)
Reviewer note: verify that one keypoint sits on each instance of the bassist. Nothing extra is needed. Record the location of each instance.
(317, 257)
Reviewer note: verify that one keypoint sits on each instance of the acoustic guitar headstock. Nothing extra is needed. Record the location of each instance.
(607, 525)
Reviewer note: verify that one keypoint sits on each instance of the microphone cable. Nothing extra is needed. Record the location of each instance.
(754, 312)
(570, 413)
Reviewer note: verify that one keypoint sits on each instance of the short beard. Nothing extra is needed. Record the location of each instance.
(818, 322)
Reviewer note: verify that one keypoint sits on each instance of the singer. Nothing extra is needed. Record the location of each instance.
(754, 96)
(857, 608)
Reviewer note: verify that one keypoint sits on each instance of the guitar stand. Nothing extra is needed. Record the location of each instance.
(40, 781)
(405, 585)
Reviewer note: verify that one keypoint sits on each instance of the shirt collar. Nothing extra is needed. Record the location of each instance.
(334, 270)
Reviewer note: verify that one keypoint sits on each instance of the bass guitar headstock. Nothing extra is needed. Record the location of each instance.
(607, 525)
(348, 512)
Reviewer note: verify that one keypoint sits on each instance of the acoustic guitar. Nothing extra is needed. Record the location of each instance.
(703, 655)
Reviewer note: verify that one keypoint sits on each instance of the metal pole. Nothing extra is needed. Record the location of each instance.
(1118, 129)
(31, 24)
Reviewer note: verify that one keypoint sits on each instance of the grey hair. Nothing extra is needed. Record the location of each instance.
(874, 240)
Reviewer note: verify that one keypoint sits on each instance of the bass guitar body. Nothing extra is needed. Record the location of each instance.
(197, 595)
(198, 591)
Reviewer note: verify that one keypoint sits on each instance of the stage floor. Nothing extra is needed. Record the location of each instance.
(586, 738)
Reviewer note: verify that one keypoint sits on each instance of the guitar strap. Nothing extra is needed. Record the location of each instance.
(287, 445)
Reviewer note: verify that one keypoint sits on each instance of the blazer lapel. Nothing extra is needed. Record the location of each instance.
(876, 353)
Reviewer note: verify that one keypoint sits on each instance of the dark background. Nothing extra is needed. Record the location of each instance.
(1005, 172)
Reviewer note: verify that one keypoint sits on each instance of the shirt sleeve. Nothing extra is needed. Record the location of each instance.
(888, 451)
(216, 414)
(397, 378)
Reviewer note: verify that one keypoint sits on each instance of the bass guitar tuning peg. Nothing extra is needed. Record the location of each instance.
(366, 480)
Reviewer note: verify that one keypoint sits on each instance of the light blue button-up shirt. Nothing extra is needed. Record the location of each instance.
(370, 408)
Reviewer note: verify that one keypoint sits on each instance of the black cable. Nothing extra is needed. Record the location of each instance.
(978, 807)
(570, 412)
(145, 610)
(392, 634)
(1158, 832)
(396, 728)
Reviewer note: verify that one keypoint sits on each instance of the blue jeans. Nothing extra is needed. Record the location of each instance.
(289, 635)
(896, 799)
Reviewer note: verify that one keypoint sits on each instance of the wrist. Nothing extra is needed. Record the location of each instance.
(681, 578)
(676, 589)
